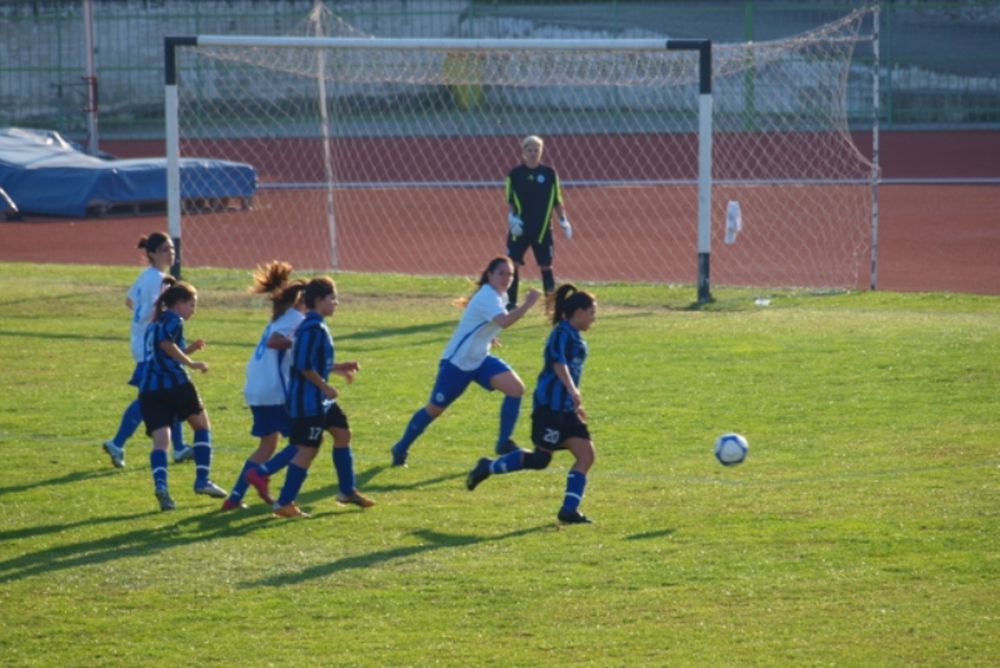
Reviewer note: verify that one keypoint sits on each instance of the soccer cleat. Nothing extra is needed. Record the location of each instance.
(209, 488)
(184, 454)
(163, 496)
(259, 482)
(117, 454)
(232, 504)
(573, 517)
(478, 474)
(355, 497)
(398, 456)
(508, 446)
(290, 510)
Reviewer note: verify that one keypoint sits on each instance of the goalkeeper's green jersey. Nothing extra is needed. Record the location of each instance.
(534, 193)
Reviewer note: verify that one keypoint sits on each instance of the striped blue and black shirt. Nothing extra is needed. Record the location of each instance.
(161, 371)
(565, 346)
(312, 350)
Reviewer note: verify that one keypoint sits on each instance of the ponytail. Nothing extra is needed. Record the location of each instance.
(151, 243)
(272, 279)
(569, 299)
(178, 292)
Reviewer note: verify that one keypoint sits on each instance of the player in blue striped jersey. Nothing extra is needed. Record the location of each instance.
(467, 358)
(166, 393)
(141, 299)
(559, 420)
(266, 384)
(312, 403)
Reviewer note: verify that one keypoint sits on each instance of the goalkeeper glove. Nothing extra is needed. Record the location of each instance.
(566, 227)
(515, 224)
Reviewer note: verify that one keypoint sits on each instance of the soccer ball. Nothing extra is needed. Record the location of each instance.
(731, 449)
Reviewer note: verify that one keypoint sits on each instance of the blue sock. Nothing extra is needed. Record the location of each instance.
(158, 465)
(202, 455)
(177, 436)
(279, 460)
(294, 479)
(417, 424)
(131, 419)
(240, 486)
(343, 462)
(509, 410)
(512, 461)
(575, 483)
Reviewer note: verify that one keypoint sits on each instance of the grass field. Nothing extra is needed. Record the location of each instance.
(862, 530)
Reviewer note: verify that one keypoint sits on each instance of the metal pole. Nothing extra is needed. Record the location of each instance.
(876, 169)
(705, 106)
(91, 77)
(174, 203)
(316, 16)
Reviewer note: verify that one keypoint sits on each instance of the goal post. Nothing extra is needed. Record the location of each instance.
(704, 49)
(388, 155)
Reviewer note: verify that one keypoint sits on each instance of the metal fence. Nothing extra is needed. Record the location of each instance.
(940, 60)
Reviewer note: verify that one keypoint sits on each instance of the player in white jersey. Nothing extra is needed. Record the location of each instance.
(267, 380)
(141, 300)
(467, 358)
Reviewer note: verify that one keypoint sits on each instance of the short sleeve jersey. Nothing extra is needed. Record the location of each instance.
(534, 193)
(162, 372)
(564, 346)
(268, 369)
(312, 350)
(143, 295)
(470, 344)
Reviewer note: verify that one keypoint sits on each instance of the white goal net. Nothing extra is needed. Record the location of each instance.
(390, 155)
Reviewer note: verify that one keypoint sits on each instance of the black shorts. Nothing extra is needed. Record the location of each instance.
(308, 431)
(550, 429)
(161, 408)
(543, 250)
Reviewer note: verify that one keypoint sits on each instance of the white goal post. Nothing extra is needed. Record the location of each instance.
(389, 154)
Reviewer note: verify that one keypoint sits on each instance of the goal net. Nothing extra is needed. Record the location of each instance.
(390, 155)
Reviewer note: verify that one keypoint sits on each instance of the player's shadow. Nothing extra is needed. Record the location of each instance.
(328, 493)
(388, 332)
(145, 542)
(45, 529)
(433, 541)
(69, 478)
(646, 535)
(365, 480)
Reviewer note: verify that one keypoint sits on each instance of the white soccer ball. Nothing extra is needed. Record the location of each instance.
(731, 449)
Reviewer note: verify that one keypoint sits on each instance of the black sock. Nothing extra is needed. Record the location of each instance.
(548, 281)
(512, 290)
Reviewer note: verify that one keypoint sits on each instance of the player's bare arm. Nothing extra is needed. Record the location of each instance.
(176, 354)
(346, 370)
(278, 341)
(329, 391)
(562, 373)
(505, 320)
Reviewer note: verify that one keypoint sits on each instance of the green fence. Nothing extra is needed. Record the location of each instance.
(940, 60)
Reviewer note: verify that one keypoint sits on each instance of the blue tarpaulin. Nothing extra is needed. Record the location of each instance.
(46, 175)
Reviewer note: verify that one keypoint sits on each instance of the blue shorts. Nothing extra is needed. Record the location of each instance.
(270, 419)
(136, 378)
(452, 381)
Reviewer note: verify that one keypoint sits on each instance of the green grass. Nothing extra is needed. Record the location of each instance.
(861, 531)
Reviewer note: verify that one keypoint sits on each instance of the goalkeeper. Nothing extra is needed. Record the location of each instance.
(533, 193)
